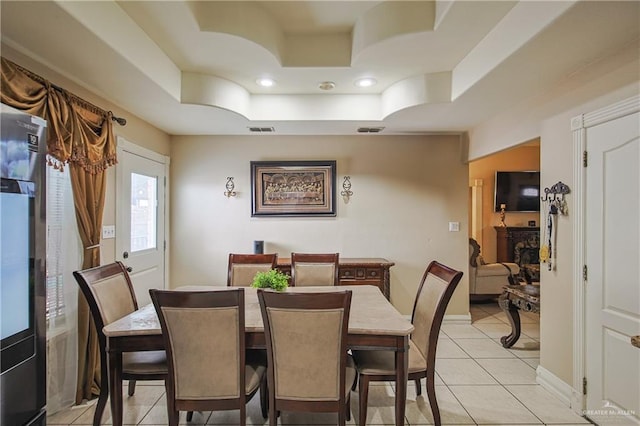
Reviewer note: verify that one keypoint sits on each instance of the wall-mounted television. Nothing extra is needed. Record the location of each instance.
(518, 191)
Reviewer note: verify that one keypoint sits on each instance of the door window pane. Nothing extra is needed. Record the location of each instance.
(144, 201)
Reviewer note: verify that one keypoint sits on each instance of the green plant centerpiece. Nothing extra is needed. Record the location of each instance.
(273, 279)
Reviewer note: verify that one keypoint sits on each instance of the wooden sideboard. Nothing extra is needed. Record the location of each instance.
(356, 271)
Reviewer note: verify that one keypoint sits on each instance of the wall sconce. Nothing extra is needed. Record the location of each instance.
(230, 188)
(346, 186)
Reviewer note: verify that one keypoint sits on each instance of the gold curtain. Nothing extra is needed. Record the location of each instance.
(80, 135)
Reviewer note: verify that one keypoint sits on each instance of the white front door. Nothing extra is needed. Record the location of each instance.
(140, 217)
(613, 259)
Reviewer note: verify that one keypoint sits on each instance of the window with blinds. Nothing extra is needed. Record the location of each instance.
(58, 193)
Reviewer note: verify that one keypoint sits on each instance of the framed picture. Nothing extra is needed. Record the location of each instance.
(293, 188)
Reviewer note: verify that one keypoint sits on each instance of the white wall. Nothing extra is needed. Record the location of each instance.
(548, 117)
(522, 122)
(557, 294)
(406, 190)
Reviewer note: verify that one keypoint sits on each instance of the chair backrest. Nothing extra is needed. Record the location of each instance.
(311, 269)
(243, 267)
(436, 288)
(306, 337)
(204, 339)
(109, 294)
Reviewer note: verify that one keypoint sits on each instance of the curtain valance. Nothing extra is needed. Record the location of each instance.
(78, 131)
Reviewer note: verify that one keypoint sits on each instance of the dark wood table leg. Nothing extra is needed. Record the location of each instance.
(115, 387)
(514, 318)
(402, 376)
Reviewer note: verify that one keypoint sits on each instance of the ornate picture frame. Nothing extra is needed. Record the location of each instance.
(293, 188)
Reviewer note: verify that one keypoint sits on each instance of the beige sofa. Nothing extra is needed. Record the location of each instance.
(487, 279)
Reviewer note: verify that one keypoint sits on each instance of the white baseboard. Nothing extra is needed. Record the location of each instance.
(457, 319)
(555, 385)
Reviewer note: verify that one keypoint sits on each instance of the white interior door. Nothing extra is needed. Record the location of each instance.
(140, 217)
(613, 261)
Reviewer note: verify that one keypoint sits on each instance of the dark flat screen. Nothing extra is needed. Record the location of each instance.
(518, 191)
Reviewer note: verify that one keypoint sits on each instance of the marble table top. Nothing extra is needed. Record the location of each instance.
(371, 313)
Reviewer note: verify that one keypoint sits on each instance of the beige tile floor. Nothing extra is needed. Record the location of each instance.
(478, 382)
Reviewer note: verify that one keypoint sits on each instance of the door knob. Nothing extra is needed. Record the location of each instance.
(125, 255)
(635, 341)
(129, 269)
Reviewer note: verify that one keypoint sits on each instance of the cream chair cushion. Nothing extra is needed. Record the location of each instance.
(424, 311)
(145, 362)
(189, 341)
(383, 362)
(113, 297)
(303, 343)
(315, 274)
(242, 273)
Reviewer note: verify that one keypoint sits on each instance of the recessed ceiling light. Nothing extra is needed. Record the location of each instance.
(365, 82)
(327, 85)
(265, 82)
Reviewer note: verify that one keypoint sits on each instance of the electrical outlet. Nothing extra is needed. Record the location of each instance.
(454, 226)
(108, 231)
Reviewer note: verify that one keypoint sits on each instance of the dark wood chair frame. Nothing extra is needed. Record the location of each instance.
(315, 258)
(85, 279)
(311, 301)
(205, 299)
(235, 258)
(453, 278)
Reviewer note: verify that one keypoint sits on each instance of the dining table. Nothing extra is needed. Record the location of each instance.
(374, 324)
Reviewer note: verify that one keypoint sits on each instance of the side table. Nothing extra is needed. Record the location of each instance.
(513, 299)
(531, 272)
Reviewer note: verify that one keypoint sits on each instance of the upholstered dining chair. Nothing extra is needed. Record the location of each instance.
(314, 269)
(110, 296)
(437, 285)
(243, 267)
(306, 337)
(209, 368)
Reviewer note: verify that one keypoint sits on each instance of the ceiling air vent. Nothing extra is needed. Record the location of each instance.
(370, 129)
(262, 129)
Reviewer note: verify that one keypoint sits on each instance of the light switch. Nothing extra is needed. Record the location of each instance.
(108, 231)
(454, 226)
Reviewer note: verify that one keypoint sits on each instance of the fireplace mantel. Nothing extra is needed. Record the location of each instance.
(518, 244)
